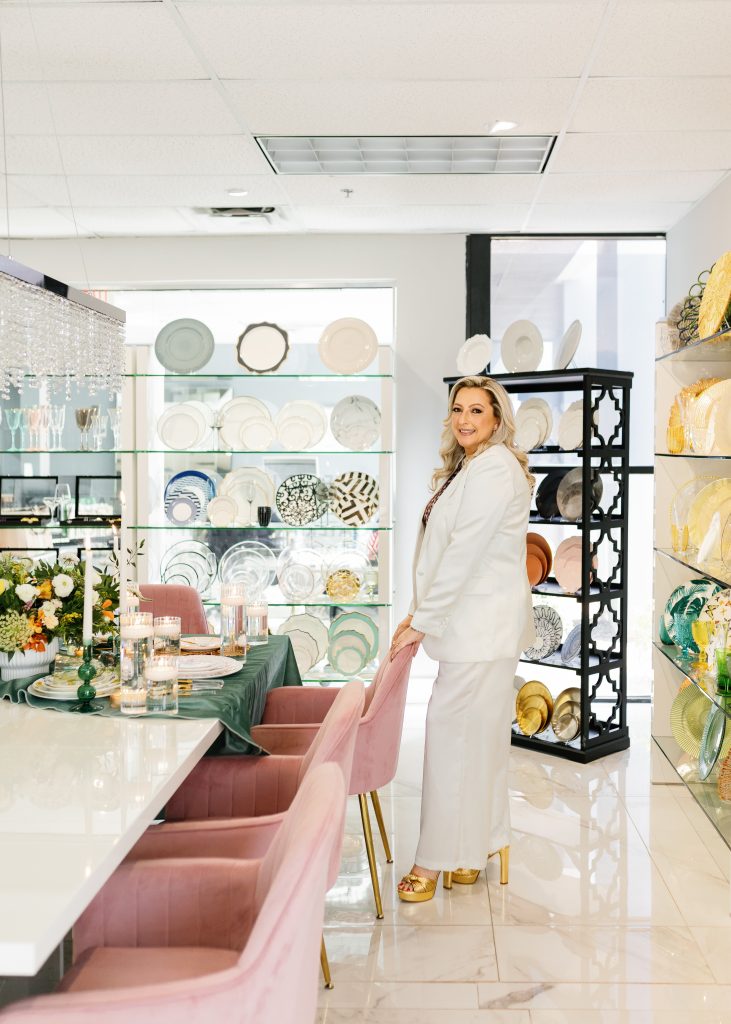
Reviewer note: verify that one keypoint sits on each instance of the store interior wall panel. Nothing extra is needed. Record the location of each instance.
(698, 239)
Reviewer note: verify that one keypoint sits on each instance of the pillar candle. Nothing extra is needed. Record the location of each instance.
(87, 628)
(122, 557)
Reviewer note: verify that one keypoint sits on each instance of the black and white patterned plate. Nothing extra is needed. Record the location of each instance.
(549, 630)
(301, 499)
(354, 498)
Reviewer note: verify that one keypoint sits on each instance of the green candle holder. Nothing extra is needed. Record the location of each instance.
(723, 667)
(86, 691)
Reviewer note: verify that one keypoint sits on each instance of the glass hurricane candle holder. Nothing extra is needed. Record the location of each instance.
(161, 679)
(136, 634)
(233, 624)
(167, 635)
(257, 621)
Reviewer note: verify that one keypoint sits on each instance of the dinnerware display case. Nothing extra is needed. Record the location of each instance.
(600, 605)
(675, 566)
(302, 377)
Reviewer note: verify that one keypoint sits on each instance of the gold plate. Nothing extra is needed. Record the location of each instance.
(716, 298)
(537, 702)
(566, 727)
(688, 715)
(573, 693)
(712, 408)
(715, 497)
(529, 722)
(530, 689)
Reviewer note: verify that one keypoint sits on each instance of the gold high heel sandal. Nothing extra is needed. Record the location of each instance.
(422, 889)
(468, 876)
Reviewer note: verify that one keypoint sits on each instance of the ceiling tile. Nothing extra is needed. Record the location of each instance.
(397, 107)
(152, 190)
(599, 217)
(32, 154)
(484, 219)
(662, 151)
(131, 221)
(39, 222)
(388, 41)
(653, 104)
(657, 37)
(105, 41)
(411, 190)
(655, 186)
(119, 108)
(213, 154)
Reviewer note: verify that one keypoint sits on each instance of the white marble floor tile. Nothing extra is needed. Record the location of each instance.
(705, 829)
(715, 944)
(336, 1016)
(703, 898)
(626, 1017)
(581, 953)
(400, 995)
(690, 1000)
(422, 953)
(666, 830)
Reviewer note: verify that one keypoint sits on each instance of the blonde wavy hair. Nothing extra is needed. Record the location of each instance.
(452, 453)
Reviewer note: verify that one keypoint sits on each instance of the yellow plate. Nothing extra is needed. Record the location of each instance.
(530, 722)
(716, 298)
(566, 727)
(537, 702)
(715, 497)
(572, 693)
(530, 689)
(688, 715)
(712, 420)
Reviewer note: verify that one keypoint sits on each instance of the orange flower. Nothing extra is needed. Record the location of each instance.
(36, 643)
(44, 590)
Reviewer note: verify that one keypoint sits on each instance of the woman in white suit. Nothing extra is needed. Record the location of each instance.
(472, 610)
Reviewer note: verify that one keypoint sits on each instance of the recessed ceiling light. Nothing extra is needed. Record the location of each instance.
(439, 154)
(237, 192)
(502, 126)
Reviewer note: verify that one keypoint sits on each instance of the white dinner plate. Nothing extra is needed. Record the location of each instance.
(356, 422)
(522, 347)
(474, 355)
(308, 624)
(569, 344)
(208, 666)
(235, 485)
(262, 348)
(302, 409)
(348, 345)
(184, 346)
(542, 405)
(37, 689)
(295, 434)
(257, 435)
(222, 510)
(185, 425)
(571, 429)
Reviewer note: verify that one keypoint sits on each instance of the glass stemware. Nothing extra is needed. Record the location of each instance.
(701, 632)
(99, 429)
(53, 504)
(57, 420)
(684, 633)
(62, 493)
(250, 494)
(85, 423)
(12, 418)
(115, 422)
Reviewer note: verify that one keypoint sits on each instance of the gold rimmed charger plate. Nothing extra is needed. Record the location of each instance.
(716, 298)
(688, 715)
(532, 688)
(715, 497)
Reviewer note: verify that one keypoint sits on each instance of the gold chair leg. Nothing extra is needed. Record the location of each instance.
(325, 965)
(365, 818)
(381, 827)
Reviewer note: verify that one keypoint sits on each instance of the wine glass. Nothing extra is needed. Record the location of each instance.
(250, 494)
(115, 422)
(12, 418)
(99, 427)
(57, 419)
(63, 493)
(85, 422)
(53, 503)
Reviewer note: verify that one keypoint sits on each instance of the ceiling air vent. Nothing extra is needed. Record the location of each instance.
(240, 211)
(407, 154)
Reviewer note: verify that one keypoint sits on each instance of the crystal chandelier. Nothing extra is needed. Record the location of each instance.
(54, 335)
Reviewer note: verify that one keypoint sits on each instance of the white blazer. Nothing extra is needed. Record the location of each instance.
(472, 597)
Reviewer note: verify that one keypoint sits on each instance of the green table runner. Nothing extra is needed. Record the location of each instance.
(238, 706)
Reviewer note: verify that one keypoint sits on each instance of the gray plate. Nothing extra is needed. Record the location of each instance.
(184, 346)
(568, 497)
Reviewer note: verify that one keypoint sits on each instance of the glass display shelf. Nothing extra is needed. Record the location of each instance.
(327, 676)
(210, 602)
(705, 793)
(721, 574)
(272, 528)
(36, 523)
(66, 451)
(177, 377)
(250, 451)
(595, 522)
(689, 455)
(552, 588)
(699, 675)
(714, 348)
(554, 661)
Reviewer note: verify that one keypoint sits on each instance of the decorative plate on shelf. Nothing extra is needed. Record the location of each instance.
(688, 714)
(184, 346)
(356, 423)
(311, 625)
(191, 563)
(305, 649)
(538, 411)
(568, 346)
(249, 562)
(301, 499)
(549, 630)
(308, 415)
(713, 500)
(185, 426)
(569, 494)
(360, 623)
(474, 355)
(222, 511)
(522, 347)
(716, 302)
(354, 498)
(571, 427)
(571, 647)
(547, 492)
(243, 412)
(298, 582)
(714, 733)
(193, 486)
(249, 487)
(348, 345)
(689, 599)
(262, 348)
(711, 419)
(567, 564)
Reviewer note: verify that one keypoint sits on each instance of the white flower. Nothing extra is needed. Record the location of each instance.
(69, 559)
(49, 613)
(94, 597)
(50, 620)
(95, 578)
(26, 592)
(62, 584)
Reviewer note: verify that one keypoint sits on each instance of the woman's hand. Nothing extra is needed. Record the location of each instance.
(403, 639)
(404, 624)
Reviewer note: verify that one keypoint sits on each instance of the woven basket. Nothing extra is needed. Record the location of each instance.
(724, 779)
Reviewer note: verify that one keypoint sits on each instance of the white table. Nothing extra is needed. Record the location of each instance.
(76, 792)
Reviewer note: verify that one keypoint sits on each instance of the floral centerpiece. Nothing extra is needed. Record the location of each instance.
(718, 611)
(42, 603)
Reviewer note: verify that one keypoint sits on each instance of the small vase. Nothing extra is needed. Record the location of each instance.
(28, 664)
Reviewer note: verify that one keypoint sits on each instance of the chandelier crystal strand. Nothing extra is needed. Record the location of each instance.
(52, 341)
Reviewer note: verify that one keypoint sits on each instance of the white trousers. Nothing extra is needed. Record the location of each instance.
(464, 801)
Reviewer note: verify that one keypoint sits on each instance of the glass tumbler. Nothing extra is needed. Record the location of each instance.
(167, 635)
(161, 679)
(233, 625)
(136, 634)
(257, 621)
(684, 633)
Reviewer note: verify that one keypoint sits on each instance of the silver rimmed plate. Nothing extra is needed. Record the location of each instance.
(184, 346)
(522, 347)
(356, 422)
(311, 625)
(300, 409)
(301, 499)
(348, 345)
(568, 346)
(262, 348)
(474, 355)
(191, 563)
(238, 413)
(354, 498)
(295, 434)
(185, 425)
(249, 487)
(248, 562)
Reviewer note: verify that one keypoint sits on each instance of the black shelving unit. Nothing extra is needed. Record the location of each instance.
(602, 672)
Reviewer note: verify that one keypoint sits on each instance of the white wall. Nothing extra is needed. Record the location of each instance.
(428, 272)
(698, 240)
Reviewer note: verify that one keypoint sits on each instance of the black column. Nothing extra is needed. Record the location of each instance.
(478, 284)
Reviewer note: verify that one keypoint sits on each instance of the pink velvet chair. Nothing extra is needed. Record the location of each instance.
(234, 806)
(289, 726)
(173, 599)
(190, 942)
